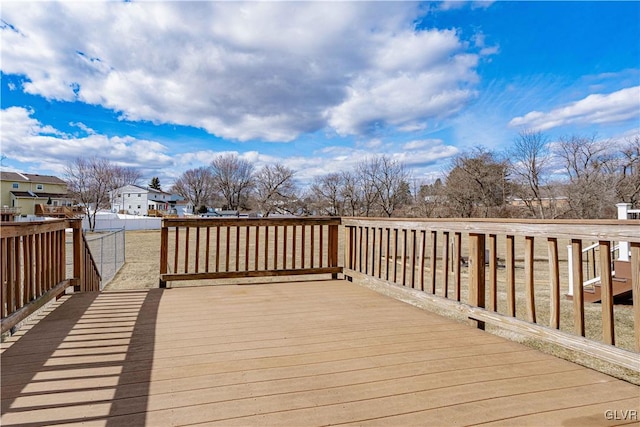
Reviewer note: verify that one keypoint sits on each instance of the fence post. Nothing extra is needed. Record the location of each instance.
(477, 274)
(78, 256)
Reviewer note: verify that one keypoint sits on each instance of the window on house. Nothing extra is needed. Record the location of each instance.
(39, 187)
(129, 206)
(138, 206)
(15, 185)
(129, 195)
(139, 195)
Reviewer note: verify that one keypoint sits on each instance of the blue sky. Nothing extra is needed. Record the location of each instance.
(317, 86)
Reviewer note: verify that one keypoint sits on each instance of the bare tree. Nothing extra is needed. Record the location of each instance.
(390, 181)
(589, 165)
(476, 185)
(196, 186)
(326, 192)
(89, 181)
(368, 189)
(628, 182)
(275, 189)
(351, 193)
(233, 178)
(430, 200)
(529, 160)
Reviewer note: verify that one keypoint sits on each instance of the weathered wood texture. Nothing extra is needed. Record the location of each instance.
(294, 354)
(34, 266)
(505, 249)
(248, 248)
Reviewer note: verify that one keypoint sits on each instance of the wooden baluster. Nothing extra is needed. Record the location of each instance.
(493, 273)
(247, 241)
(237, 253)
(207, 249)
(197, 249)
(186, 249)
(266, 247)
(284, 247)
(413, 258)
(423, 249)
(403, 257)
(457, 261)
(445, 264)
(511, 276)
(176, 250)
(529, 279)
(434, 260)
(312, 250)
(293, 248)
(257, 249)
(606, 289)
(275, 248)
(554, 276)
(578, 298)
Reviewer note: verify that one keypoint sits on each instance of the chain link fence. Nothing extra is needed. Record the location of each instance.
(108, 250)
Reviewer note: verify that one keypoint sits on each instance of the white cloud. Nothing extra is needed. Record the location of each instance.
(25, 139)
(596, 108)
(256, 70)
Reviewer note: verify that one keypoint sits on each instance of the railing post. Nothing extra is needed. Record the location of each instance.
(477, 274)
(164, 253)
(78, 256)
(333, 248)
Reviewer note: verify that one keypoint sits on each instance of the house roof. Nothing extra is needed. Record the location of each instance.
(28, 177)
(130, 188)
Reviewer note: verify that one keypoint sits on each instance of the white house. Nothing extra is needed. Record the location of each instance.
(136, 200)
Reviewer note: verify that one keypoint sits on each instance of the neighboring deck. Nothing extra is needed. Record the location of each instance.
(303, 353)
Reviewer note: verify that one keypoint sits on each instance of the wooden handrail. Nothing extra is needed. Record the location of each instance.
(222, 248)
(33, 256)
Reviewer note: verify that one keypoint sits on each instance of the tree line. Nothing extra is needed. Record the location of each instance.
(574, 177)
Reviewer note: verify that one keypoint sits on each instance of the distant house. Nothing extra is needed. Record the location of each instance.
(136, 200)
(21, 192)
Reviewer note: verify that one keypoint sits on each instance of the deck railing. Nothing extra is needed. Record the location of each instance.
(492, 272)
(222, 248)
(33, 257)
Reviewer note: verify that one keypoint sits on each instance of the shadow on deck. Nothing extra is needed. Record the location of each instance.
(301, 353)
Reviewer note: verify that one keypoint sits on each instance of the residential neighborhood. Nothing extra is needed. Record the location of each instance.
(145, 201)
(20, 193)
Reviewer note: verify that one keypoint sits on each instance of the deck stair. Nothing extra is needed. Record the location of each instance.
(620, 283)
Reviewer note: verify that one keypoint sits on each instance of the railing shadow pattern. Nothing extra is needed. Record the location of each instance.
(87, 356)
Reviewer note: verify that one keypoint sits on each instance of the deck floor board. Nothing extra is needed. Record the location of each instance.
(303, 353)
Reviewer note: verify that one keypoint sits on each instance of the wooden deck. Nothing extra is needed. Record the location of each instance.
(304, 353)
